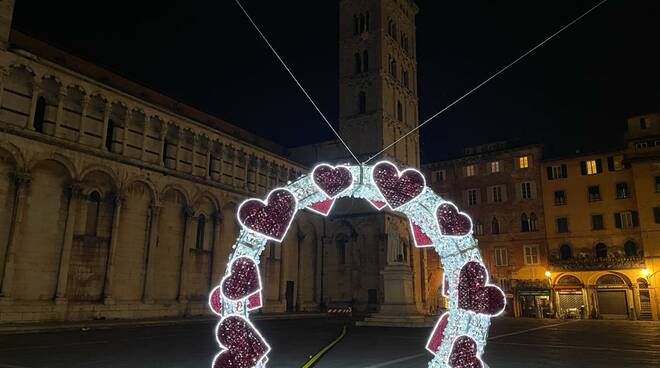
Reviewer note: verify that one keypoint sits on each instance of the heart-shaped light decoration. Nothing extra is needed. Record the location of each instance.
(397, 187)
(243, 279)
(270, 218)
(451, 222)
(215, 300)
(378, 204)
(474, 293)
(332, 180)
(322, 207)
(438, 334)
(419, 236)
(254, 301)
(464, 354)
(244, 346)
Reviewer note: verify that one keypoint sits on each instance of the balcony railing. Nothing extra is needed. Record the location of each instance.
(614, 263)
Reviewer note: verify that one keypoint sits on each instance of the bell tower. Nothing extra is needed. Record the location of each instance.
(378, 78)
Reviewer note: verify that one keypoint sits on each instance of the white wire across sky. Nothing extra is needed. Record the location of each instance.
(432, 117)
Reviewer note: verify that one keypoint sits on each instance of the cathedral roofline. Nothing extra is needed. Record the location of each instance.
(21, 41)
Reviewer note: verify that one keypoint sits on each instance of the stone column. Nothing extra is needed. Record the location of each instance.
(150, 260)
(299, 290)
(61, 96)
(106, 123)
(108, 297)
(189, 222)
(124, 140)
(36, 91)
(144, 136)
(215, 251)
(83, 114)
(75, 192)
(282, 296)
(163, 136)
(22, 185)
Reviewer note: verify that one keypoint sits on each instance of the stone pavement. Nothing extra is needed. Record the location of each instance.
(515, 343)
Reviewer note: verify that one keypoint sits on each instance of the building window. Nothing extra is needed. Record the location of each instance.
(472, 197)
(523, 162)
(630, 248)
(399, 111)
(393, 67)
(496, 193)
(622, 190)
(406, 78)
(565, 252)
(557, 172)
(656, 214)
(440, 175)
(593, 193)
(109, 137)
(362, 102)
(495, 226)
(358, 63)
(365, 61)
(626, 219)
(615, 163)
(641, 145)
(201, 229)
(470, 170)
(591, 167)
(601, 250)
(597, 222)
(642, 123)
(560, 198)
(93, 210)
(562, 225)
(531, 254)
(40, 114)
(495, 167)
(526, 190)
(501, 257)
(533, 222)
(524, 223)
(657, 184)
(478, 229)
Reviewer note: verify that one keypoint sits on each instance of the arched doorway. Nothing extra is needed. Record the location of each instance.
(612, 297)
(570, 297)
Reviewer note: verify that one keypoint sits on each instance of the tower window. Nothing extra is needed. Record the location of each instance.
(363, 23)
(40, 114)
(406, 81)
(358, 63)
(399, 111)
(356, 25)
(201, 225)
(365, 61)
(362, 102)
(93, 207)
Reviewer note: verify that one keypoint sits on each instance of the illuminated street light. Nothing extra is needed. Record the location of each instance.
(548, 274)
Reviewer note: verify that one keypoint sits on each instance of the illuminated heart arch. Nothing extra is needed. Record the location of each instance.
(459, 337)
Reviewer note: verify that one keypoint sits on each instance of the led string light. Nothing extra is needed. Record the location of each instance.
(459, 337)
(486, 81)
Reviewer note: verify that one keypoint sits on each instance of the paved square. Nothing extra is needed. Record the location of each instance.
(515, 343)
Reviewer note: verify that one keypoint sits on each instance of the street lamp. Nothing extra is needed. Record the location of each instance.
(548, 274)
(647, 273)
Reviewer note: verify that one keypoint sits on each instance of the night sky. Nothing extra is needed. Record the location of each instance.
(573, 93)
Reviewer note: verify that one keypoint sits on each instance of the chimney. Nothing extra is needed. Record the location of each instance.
(6, 14)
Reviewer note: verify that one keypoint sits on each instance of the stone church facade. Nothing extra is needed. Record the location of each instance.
(119, 202)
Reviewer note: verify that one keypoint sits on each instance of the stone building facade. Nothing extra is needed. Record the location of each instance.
(499, 187)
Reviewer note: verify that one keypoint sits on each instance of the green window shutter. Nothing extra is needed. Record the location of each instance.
(564, 171)
(617, 220)
(599, 166)
(550, 173)
(610, 163)
(583, 167)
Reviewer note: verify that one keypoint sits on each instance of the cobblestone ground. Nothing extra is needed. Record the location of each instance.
(521, 343)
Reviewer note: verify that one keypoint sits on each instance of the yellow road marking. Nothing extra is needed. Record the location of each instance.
(317, 356)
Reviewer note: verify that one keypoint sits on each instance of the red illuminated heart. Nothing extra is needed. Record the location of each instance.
(473, 293)
(397, 187)
(323, 207)
(421, 239)
(244, 345)
(438, 334)
(243, 279)
(452, 222)
(270, 218)
(332, 180)
(464, 354)
(215, 301)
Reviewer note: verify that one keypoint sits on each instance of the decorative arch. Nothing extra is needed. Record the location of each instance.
(210, 197)
(569, 280)
(54, 156)
(153, 191)
(601, 279)
(178, 188)
(434, 222)
(104, 169)
(15, 153)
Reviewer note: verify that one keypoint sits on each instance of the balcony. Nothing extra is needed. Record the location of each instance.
(588, 264)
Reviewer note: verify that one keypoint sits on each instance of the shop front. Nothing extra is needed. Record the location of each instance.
(570, 302)
(533, 299)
